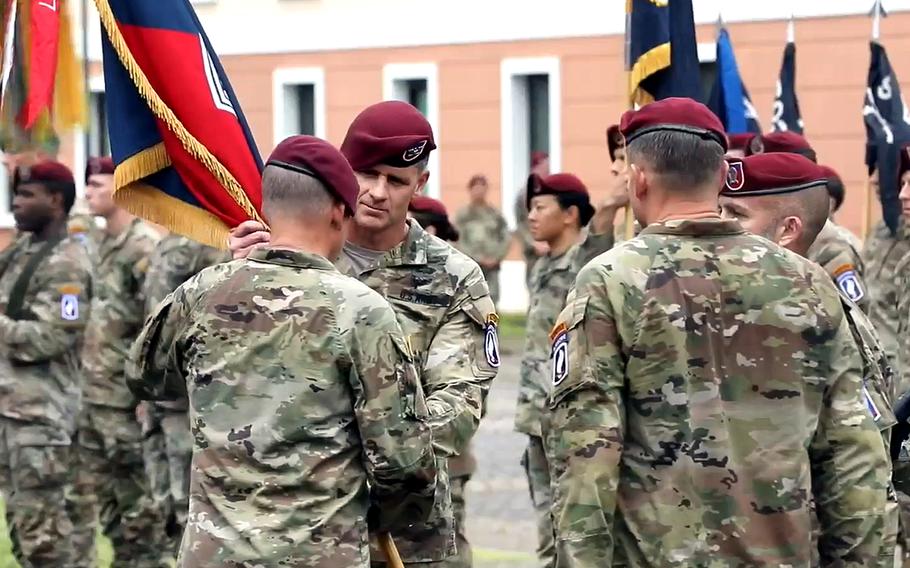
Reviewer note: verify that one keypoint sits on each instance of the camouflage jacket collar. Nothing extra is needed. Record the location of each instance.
(412, 251)
(288, 257)
(695, 228)
(882, 231)
(112, 243)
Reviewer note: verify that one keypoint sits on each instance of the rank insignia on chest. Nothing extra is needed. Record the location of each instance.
(559, 356)
(491, 340)
(848, 282)
(69, 307)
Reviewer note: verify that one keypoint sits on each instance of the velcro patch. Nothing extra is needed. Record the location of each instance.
(69, 307)
(559, 356)
(491, 342)
(848, 281)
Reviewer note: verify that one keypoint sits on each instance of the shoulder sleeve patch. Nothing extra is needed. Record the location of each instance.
(848, 281)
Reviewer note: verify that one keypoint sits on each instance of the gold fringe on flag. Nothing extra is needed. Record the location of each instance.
(649, 63)
(155, 205)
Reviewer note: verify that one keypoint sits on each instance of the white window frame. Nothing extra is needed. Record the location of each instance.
(393, 72)
(510, 69)
(282, 78)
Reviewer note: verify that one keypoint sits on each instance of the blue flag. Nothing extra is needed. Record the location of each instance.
(729, 98)
(887, 120)
(661, 51)
(184, 154)
(786, 107)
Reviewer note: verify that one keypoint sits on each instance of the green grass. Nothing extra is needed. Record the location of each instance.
(105, 553)
(512, 327)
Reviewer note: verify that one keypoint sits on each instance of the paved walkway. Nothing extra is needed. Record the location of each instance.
(500, 520)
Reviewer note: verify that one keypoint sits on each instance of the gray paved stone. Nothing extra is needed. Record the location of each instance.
(500, 519)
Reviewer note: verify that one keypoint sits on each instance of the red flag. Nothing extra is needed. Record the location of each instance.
(45, 39)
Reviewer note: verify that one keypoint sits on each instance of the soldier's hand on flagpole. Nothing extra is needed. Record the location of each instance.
(246, 237)
(617, 198)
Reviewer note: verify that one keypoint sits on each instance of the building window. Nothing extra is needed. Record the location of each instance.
(299, 101)
(417, 85)
(530, 112)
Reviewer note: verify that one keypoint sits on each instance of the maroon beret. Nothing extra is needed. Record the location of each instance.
(433, 212)
(830, 173)
(772, 174)
(615, 140)
(787, 141)
(317, 158)
(44, 171)
(563, 185)
(392, 133)
(740, 141)
(676, 114)
(99, 166)
(538, 157)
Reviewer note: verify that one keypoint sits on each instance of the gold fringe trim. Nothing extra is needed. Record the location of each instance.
(650, 62)
(141, 165)
(154, 205)
(166, 115)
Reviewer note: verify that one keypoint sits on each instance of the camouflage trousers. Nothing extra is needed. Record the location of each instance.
(33, 479)
(111, 486)
(463, 557)
(537, 471)
(168, 453)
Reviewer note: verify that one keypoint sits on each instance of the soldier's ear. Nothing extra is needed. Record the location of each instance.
(422, 182)
(791, 230)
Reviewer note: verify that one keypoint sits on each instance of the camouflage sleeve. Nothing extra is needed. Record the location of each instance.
(850, 468)
(391, 414)
(593, 246)
(461, 362)
(60, 310)
(153, 370)
(585, 425)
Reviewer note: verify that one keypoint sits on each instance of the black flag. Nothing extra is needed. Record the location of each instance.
(887, 131)
(785, 115)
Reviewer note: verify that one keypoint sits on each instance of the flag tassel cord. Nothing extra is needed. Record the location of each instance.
(166, 115)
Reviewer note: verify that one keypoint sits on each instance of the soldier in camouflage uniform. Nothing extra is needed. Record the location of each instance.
(305, 404)
(168, 444)
(45, 291)
(836, 249)
(775, 205)
(706, 386)
(531, 250)
(433, 217)
(441, 300)
(882, 253)
(111, 480)
(484, 233)
(559, 208)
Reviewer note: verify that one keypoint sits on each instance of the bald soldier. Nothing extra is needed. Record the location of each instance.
(442, 303)
(45, 291)
(559, 209)
(780, 197)
(835, 248)
(706, 401)
(293, 445)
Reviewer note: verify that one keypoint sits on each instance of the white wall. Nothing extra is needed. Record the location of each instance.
(278, 26)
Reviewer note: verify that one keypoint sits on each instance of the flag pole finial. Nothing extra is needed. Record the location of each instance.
(791, 30)
(878, 10)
